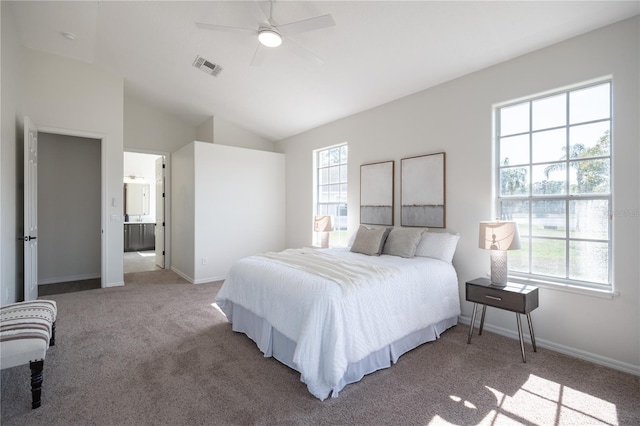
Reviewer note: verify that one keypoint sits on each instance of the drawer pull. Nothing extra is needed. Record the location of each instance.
(493, 297)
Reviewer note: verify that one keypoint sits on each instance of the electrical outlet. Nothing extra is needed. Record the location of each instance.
(204, 260)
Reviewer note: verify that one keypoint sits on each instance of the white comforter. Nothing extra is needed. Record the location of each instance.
(331, 327)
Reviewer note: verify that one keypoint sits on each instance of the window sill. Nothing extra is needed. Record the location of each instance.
(567, 288)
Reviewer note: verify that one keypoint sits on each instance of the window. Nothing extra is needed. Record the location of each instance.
(331, 190)
(554, 180)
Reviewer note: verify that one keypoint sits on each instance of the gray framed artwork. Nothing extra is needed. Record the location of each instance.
(376, 193)
(423, 191)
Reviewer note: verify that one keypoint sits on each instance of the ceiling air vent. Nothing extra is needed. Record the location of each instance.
(206, 66)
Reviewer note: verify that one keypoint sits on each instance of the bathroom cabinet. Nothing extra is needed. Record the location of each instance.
(139, 236)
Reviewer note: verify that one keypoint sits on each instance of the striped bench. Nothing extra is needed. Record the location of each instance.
(27, 329)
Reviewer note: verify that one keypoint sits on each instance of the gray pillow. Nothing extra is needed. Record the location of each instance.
(402, 242)
(369, 241)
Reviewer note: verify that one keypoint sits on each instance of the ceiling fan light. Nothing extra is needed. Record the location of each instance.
(269, 37)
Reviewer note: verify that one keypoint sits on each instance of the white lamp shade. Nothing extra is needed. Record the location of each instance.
(322, 224)
(269, 37)
(499, 235)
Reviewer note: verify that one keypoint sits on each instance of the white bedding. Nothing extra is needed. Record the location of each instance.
(331, 327)
(348, 273)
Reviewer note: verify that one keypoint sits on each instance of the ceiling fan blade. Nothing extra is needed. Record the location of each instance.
(214, 27)
(302, 52)
(256, 13)
(259, 55)
(305, 25)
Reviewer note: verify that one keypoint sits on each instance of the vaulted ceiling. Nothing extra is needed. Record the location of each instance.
(377, 51)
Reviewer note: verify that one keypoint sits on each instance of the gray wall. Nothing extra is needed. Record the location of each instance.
(69, 208)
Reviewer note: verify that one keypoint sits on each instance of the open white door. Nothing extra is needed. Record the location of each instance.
(30, 210)
(160, 197)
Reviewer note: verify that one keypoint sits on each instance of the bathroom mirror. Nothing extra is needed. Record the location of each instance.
(136, 197)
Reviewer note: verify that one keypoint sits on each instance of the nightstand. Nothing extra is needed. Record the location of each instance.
(518, 298)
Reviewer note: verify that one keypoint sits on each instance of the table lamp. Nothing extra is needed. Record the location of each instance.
(322, 224)
(499, 237)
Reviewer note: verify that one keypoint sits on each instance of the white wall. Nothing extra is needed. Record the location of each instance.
(230, 204)
(148, 129)
(228, 133)
(223, 132)
(240, 196)
(12, 122)
(69, 208)
(62, 93)
(204, 132)
(456, 117)
(182, 211)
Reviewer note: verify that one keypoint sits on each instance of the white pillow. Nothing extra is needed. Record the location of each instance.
(438, 245)
(402, 242)
(369, 241)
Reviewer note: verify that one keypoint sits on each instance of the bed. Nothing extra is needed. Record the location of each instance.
(337, 314)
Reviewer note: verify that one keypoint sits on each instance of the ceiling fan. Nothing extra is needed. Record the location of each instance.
(271, 35)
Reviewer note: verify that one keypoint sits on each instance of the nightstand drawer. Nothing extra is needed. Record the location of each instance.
(521, 299)
(498, 299)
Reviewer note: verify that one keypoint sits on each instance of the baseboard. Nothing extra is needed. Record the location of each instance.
(182, 274)
(194, 281)
(68, 279)
(209, 280)
(563, 349)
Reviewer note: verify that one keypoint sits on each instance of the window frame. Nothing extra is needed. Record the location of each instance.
(339, 205)
(567, 198)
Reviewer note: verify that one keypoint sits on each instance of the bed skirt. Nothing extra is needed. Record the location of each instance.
(274, 344)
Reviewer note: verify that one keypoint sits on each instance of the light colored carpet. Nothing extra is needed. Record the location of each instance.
(156, 352)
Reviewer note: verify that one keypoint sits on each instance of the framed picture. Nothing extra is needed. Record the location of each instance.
(423, 191)
(376, 193)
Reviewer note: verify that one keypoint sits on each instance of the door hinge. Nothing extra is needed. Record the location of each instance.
(163, 165)
(163, 252)
(162, 223)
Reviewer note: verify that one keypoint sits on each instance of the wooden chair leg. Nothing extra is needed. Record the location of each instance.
(36, 382)
(52, 340)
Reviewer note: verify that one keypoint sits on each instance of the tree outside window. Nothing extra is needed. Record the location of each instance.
(554, 180)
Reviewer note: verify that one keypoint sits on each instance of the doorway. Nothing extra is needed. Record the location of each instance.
(31, 198)
(143, 209)
(69, 211)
